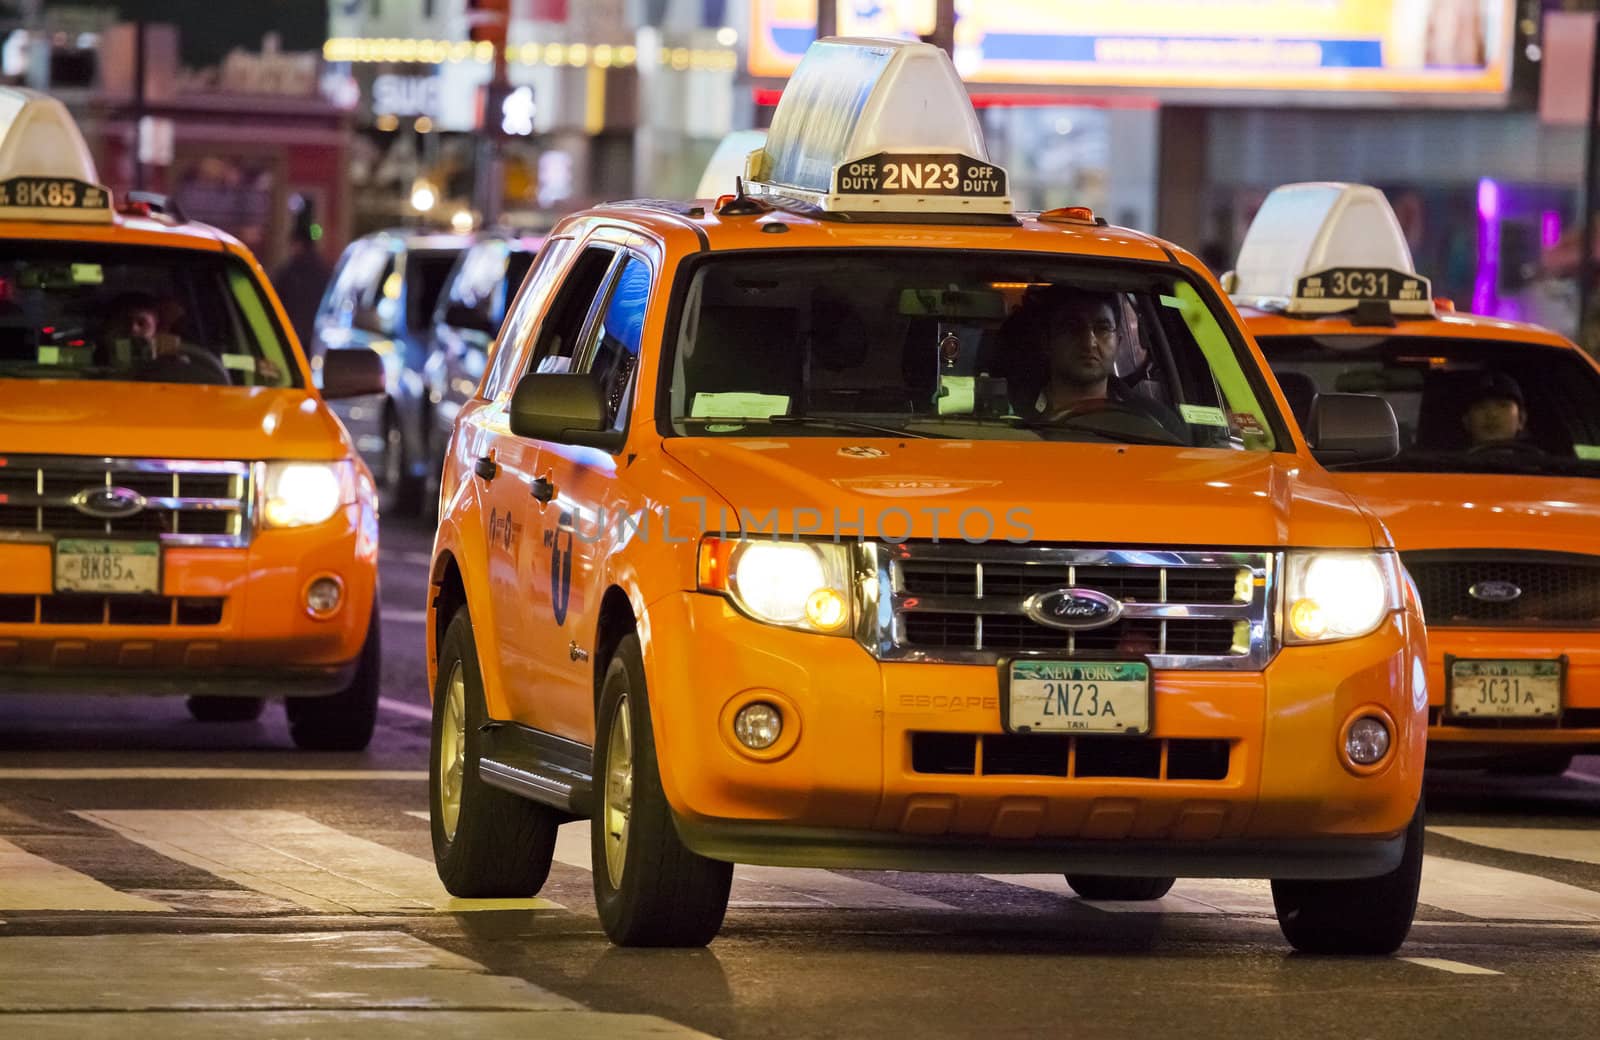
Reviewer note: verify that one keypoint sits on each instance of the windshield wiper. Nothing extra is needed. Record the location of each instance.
(812, 420)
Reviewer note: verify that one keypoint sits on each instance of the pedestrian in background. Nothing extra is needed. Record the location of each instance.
(300, 281)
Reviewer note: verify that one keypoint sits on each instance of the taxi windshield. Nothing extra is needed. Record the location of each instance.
(1463, 405)
(972, 345)
(72, 310)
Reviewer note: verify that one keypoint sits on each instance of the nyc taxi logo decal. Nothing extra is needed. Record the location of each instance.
(559, 542)
(862, 451)
(911, 486)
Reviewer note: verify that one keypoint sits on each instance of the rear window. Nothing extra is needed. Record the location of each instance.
(78, 310)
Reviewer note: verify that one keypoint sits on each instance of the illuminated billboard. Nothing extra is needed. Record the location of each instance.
(1441, 52)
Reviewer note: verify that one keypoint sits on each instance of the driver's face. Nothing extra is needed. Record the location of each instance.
(1493, 420)
(1083, 343)
(142, 324)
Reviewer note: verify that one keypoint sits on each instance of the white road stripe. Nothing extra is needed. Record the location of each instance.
(295, 858)
(162, 773)
(1188, 896)
(1506, 895)
(1569, 843)
(412, 711)
(405, 617)
(1454, 967)
(800, 886)
(409, 556)
(29, 882)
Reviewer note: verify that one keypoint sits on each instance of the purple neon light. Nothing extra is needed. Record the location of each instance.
(1550, 228)
(1488, 277)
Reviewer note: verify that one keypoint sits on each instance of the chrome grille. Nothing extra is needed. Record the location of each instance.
(186, 502)
(963, 603)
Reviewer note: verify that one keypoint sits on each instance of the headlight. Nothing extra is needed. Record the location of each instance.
(803, 585)
(1339, 595)
(298, 494)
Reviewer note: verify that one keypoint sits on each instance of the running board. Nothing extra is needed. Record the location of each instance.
(539, 766)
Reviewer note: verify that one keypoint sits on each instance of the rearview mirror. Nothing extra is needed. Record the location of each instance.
(563, 407)
(1348, 428)
(352, 372)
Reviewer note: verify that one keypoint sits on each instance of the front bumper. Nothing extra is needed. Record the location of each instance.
(1453, 739)
(849, 791)
(237, 624)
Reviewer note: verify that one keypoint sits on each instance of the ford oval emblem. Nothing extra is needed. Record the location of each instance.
(108, 503)
(1495, 591)
(1075, 609)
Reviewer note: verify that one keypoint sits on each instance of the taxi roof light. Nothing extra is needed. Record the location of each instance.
(46, 170)
(1326, 247)
(879, 126)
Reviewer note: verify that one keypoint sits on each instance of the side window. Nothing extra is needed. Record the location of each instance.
(506, 366)
(616, 352)
(557, 349)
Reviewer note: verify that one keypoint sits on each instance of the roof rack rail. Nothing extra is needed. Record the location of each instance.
(156, 202)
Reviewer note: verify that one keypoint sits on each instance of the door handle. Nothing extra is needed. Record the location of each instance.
(486, 467)
(542, 489)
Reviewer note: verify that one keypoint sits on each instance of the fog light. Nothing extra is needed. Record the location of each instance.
(324, 596)
(1367, 741)
(758, 725)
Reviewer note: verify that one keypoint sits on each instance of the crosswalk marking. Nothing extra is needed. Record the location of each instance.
(1454, 967)
(800, 886)
(296, 859)
(1189, 896)
(1507, 895)
(405, 617)
(282, 861)
(412, 711)
(1570, 843)
(29, 882)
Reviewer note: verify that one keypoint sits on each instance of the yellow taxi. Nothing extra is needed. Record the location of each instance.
(1491, 493)
(855, 520)
(180, 513)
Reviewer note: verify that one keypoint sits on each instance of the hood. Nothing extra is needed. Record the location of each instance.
(160, 420)
(1046, 492)
(1483, 511)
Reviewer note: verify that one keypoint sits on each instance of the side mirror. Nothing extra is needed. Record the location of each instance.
(462, 317)
(370, 319)
(563, 407)
(352, 372)
(1350, 428)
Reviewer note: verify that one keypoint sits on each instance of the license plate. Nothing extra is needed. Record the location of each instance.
(107, 565)
(1505, 689)
(1078, 697)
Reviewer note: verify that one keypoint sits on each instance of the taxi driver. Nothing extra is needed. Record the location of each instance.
(1497, 416)
(1080, 340)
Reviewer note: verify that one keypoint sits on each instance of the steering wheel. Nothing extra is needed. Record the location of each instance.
(1515, 447)
(1144, 426)
(187, 364)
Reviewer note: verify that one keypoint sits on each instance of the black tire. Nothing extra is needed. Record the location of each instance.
(1131, 889)
(502, 845)
(342, 721)
(1534, 763)
(666, 895)
(1365, 916)
(399, 490)
(226, 709)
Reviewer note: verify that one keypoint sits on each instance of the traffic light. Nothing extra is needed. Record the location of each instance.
(487, 21)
